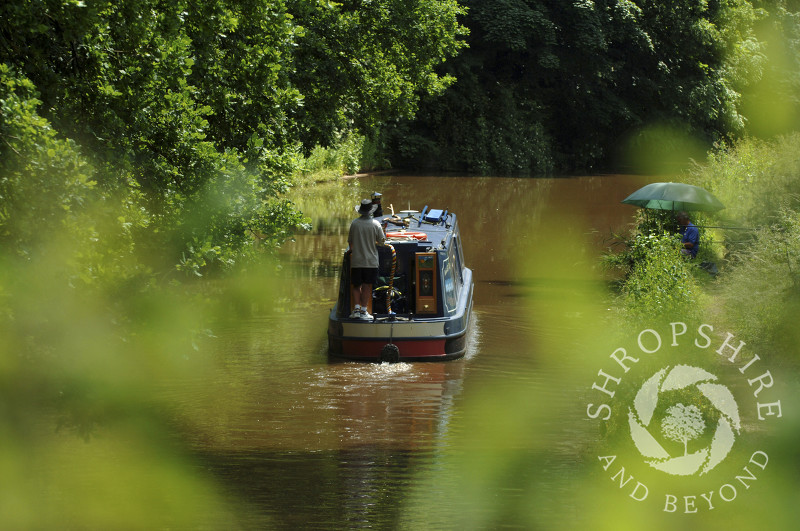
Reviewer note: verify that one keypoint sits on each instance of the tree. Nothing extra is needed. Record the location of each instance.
(196, 111)
(548, 85)
(683, 424)
(44, 178)
(360, 64)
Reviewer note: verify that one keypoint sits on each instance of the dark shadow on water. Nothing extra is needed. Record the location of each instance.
(362, 487)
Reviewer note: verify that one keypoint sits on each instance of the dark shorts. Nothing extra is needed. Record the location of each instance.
(363, 275)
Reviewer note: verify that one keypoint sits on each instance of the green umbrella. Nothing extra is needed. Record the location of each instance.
(674, 196)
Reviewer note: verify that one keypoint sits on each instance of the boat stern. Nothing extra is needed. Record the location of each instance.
(395, 339)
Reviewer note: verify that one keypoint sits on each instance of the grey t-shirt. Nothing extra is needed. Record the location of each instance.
(364, 233)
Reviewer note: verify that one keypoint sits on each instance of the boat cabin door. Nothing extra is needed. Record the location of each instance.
(426, 277)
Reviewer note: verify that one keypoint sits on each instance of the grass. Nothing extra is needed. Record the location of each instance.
(325, 164)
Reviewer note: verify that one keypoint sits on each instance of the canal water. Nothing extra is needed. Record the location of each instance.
(301, 441)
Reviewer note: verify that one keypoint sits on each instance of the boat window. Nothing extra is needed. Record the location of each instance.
(459, 259)
(450, 284)
(459, 272)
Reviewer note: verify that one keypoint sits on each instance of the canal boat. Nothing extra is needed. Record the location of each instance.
(421, 306)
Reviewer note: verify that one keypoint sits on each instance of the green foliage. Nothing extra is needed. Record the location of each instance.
(242, 53)
(758, 181)
(374, 153)
(658, 283)
(194, 113)
(359, 64)
(754, 179)
(141, 91)
(476, 131)
(757, 247)
(548, 85)
(343, 158)
(43, 180)
(761, 290)
(770, 98)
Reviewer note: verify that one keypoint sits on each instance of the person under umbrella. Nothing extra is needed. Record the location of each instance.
(690, 235)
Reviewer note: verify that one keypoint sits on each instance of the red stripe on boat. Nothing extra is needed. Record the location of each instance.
(408, 349)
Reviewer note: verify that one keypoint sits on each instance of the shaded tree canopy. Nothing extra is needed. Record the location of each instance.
(548, 85)
(186, 119)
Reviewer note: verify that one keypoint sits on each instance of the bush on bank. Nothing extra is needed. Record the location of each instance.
(655, 281)
(757, 248)
(323, 164)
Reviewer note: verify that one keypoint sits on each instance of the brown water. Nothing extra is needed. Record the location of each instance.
(304, 442)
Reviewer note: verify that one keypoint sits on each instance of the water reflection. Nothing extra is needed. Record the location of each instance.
(363, 487)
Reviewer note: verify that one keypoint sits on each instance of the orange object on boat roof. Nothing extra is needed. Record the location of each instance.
(407, 234)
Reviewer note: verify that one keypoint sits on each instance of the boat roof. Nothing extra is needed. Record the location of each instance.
(435, 224)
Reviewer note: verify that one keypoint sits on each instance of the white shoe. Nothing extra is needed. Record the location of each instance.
(356, 312)
(366, 316)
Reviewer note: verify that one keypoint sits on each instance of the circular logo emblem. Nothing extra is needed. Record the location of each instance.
(682, 423)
